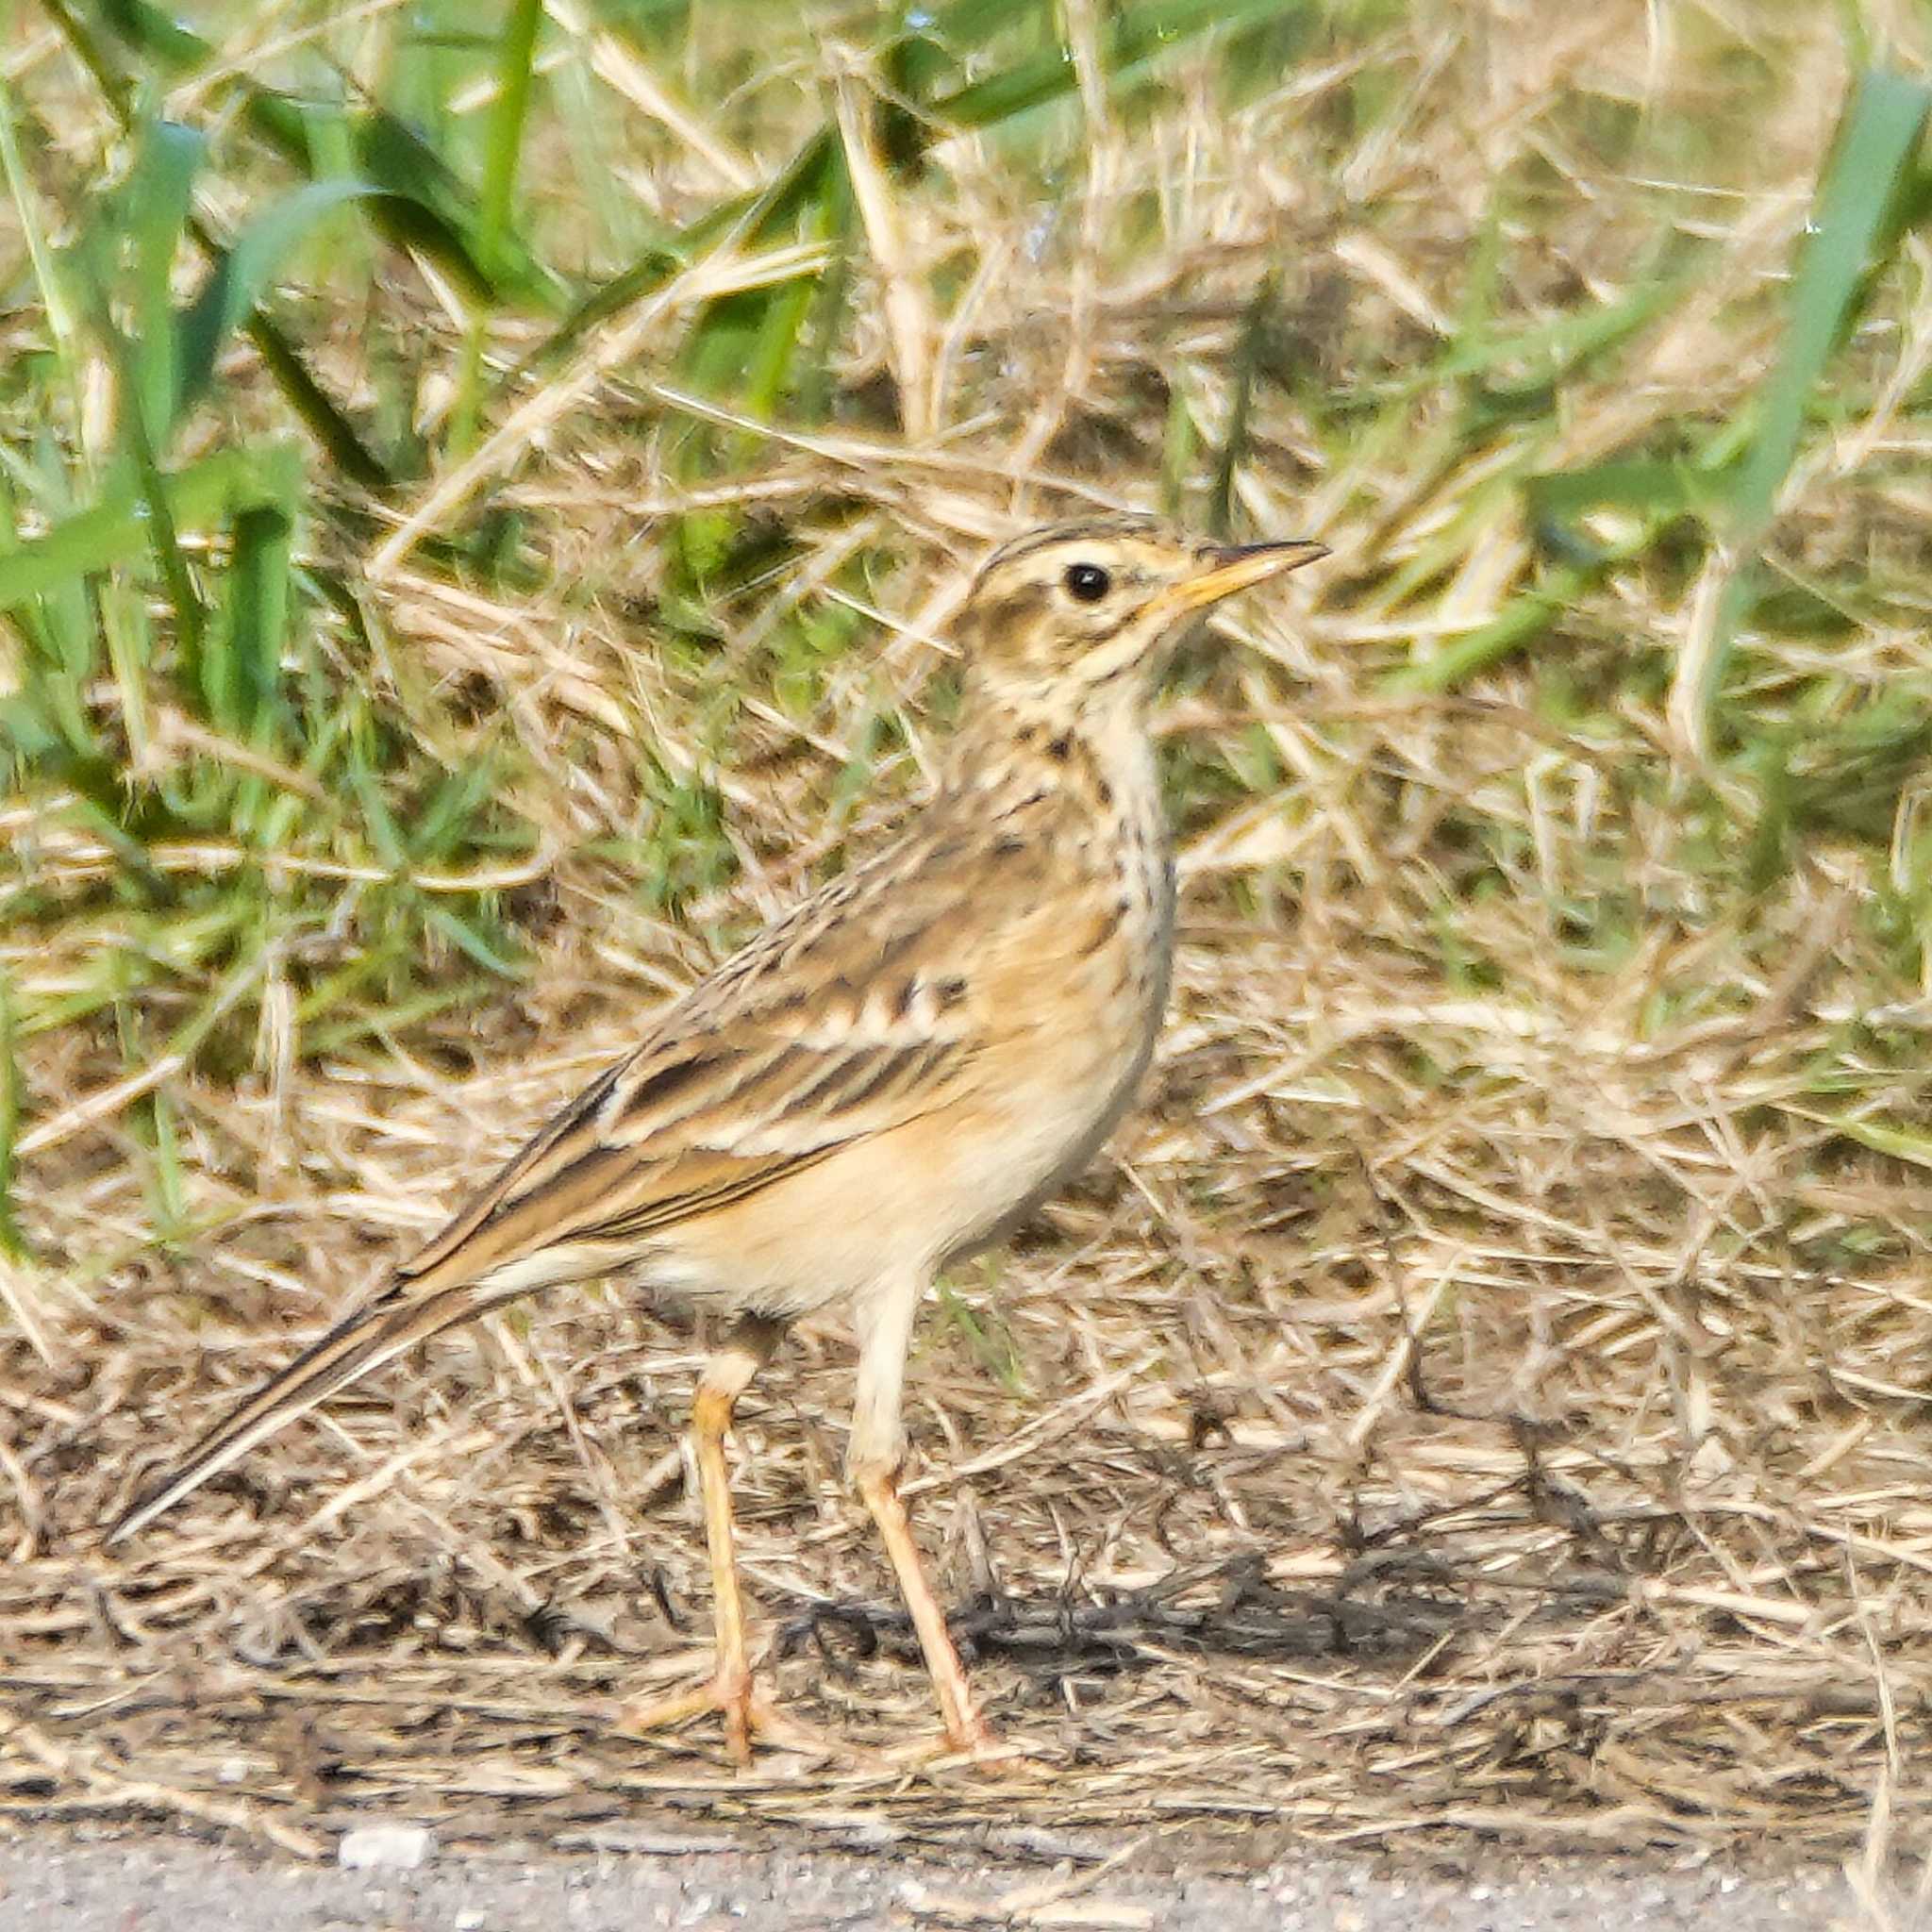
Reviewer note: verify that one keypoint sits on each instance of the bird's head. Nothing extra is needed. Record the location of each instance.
(1081, 612)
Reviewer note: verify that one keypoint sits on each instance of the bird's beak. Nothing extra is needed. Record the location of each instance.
(1231, 567)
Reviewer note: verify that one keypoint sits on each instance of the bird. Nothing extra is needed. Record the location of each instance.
(888, 1078)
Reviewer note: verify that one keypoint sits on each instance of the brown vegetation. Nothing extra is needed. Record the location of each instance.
(1486, 1384)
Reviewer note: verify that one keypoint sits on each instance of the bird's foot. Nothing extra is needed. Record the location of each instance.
(730, 1694)
(734, 1696)
(996, 1759)
(976, 1745)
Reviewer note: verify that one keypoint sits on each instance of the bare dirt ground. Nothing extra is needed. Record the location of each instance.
(155, 1884)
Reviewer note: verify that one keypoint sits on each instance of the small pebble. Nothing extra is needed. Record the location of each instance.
(385, 1847)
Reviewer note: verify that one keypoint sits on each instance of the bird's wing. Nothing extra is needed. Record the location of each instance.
(844, 1020)
(835, 1025)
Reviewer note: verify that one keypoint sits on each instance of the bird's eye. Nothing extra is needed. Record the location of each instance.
(1086, 582)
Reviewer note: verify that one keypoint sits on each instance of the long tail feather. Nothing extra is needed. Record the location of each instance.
(395, 1322)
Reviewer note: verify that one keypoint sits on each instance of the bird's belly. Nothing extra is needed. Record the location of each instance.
(907, 1202)
(1067, 1091)
(1023, 1166)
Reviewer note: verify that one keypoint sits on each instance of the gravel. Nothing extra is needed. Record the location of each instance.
(50, 1878)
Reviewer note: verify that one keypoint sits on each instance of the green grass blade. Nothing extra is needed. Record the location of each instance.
(824, 325)
(1911, 1144)
(443, 824)
(115, 530)
(240, 276)
(365, 781)
(154, 213)
(242, 668)
(167, 1177)
(332, 430)
(464, 936)
(311, 403)
(116, 87)
(10, 1242)
(1138, 39)
(30, 739)
(1247, 359)
(49, 275)
(431, 210)
(752, 218)
(1870, 175)
(503, 146)
(1869, 169)
(1179, 443)
(1527, 617)
(157, 516)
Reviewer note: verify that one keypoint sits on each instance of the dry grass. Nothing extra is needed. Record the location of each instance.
(1487, 1380)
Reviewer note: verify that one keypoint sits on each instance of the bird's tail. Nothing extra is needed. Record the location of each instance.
(399, 1318)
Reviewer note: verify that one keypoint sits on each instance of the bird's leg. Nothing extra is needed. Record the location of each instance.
(966, 1730)
(727, 1376)
(878, 1446)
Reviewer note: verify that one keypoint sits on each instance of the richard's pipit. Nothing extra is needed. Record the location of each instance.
(884, 1080)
